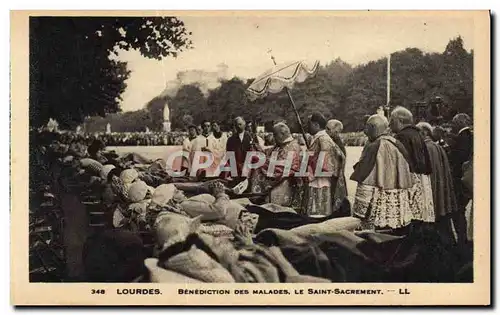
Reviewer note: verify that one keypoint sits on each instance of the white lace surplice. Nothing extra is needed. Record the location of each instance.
(421, 200)
(382, 208)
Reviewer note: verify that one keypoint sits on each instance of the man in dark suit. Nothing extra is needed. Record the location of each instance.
(240, 143)
(461, 151)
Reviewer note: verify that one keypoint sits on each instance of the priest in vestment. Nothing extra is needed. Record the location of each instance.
(339, 187)
(322, 200)
(442, 184)
(385, 182)
(401, 123)
(278, 174)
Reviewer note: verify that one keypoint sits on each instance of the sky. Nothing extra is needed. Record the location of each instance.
(243, 44)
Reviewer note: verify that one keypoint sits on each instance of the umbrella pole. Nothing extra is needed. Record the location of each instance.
(298, 116)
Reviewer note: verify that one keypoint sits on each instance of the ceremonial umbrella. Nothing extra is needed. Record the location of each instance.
(280, 77)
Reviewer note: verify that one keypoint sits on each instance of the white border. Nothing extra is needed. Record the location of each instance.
(181, 5)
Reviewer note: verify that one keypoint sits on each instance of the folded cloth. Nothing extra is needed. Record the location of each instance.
(328, 226)
(161, 275)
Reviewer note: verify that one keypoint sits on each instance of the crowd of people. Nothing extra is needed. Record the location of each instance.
(124, 138)
(177, 138)
(282, 222)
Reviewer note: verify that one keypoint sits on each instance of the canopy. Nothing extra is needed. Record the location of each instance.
(280, 76)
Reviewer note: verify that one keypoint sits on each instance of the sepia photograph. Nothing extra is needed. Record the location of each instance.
(329, 151)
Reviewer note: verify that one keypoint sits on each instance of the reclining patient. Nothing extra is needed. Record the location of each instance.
(218, 208)
(183, 247)
(186, 255)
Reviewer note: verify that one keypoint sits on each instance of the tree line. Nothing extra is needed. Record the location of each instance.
(75, 77)
(338, 90)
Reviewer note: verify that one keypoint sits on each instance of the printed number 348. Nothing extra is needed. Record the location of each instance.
(98, 291)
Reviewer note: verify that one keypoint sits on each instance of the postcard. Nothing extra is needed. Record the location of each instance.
(317, 158)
